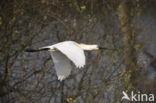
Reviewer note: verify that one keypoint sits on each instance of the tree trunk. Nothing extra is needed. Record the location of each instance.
(130, 57)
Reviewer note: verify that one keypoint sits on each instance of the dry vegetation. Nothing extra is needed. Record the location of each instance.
(31, 78)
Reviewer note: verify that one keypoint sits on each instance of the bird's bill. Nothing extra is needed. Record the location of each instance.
(92, 47)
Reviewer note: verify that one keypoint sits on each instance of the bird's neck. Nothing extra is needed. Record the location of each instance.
(88, 47)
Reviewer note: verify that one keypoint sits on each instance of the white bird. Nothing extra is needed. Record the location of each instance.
(65, 54)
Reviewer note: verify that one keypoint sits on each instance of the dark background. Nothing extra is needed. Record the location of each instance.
(129, 26)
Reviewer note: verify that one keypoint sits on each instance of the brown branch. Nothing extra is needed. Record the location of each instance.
(130, 57)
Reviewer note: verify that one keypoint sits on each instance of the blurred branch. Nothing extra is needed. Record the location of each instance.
(129, 36)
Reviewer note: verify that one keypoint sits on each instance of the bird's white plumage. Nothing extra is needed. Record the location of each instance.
(65, 54)
(72, 51)
(62, 64)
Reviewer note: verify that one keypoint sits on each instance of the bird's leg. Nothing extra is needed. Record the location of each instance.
(36, 50)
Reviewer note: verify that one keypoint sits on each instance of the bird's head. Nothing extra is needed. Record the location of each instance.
(88, 47)
(92, 47)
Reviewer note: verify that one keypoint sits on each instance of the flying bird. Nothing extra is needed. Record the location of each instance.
(65, 54)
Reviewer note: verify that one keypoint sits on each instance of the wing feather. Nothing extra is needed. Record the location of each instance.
(73, 52)
(62, 64)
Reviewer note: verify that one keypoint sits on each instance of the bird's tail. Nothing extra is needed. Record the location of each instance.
(37, 50)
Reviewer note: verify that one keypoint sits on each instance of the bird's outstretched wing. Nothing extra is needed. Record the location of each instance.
(73, 52)
(62, 64)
